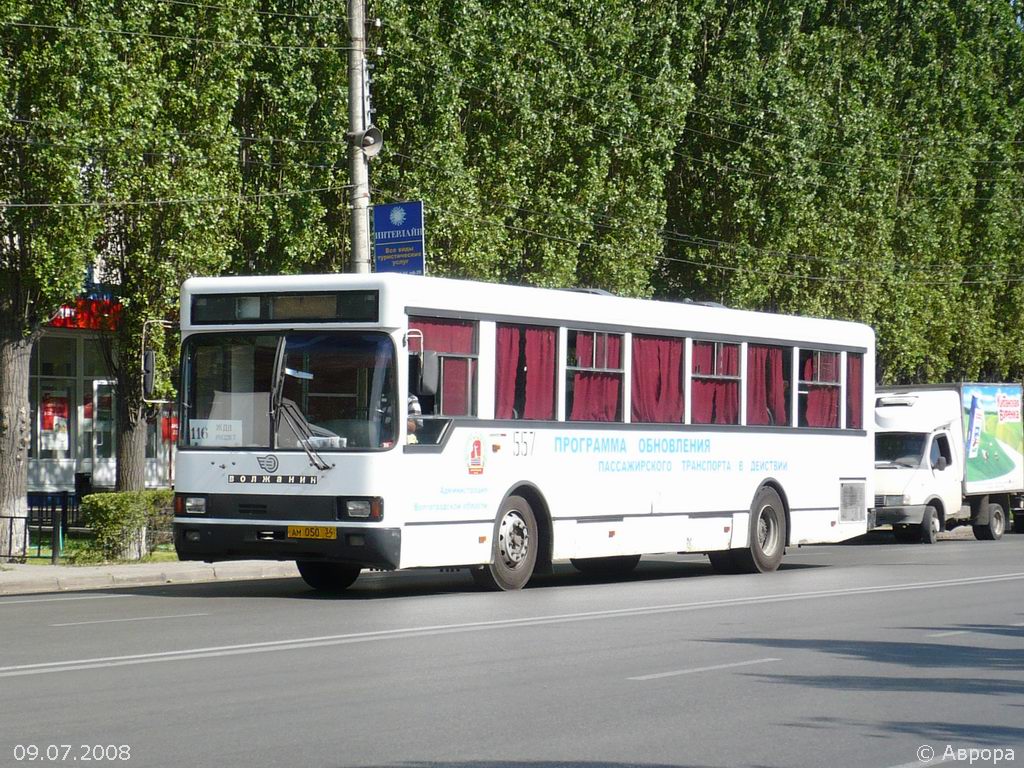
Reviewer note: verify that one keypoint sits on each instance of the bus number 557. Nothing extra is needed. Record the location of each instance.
(522, 443)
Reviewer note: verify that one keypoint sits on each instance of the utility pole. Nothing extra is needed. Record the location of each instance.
(364, 139)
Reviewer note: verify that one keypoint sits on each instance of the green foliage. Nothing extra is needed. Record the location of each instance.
(116, 517)
(854, 160)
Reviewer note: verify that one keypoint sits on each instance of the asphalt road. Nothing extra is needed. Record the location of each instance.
(854, 655)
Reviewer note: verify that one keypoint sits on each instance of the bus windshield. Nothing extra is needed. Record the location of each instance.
(290, 391)
(903, 449)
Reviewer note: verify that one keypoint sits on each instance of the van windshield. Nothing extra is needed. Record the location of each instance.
(318, 391)
(902, 449)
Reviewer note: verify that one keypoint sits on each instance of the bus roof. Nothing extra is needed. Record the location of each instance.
(413, 294)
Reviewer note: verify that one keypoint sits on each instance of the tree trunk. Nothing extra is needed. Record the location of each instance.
(15, 438)
(131, 443)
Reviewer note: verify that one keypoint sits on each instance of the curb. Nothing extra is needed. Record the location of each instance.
(36, 579)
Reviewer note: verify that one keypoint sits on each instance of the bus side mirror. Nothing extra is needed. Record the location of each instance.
(941, 463)
(148, 373)
(424, 373)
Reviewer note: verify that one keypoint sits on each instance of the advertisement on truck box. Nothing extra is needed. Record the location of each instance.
(995, 437)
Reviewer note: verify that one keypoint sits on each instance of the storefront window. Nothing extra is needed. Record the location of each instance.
(57, 356)
(55, 418)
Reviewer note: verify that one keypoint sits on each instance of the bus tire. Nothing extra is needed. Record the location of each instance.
(993, 530)
(767, 534)
(328, 577)
(930, 525)
(513, 548)
(605, 566)
(723, 562)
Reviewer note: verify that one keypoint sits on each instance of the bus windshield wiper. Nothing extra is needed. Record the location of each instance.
(300, 427)
(280, 407)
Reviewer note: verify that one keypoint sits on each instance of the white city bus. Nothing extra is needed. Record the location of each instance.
(553, 426)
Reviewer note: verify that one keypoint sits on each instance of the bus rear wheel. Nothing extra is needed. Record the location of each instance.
(606, 566)
(513, 548)
(328, 577)
(767, 534)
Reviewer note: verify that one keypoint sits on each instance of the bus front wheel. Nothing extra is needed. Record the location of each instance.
(767, 534)
(328, 577)
(513, 548)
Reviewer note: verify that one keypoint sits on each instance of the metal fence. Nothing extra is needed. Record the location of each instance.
(41, 534)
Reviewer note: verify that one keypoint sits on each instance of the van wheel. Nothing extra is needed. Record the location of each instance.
(930, 525)
(767, 535)
(513, 548)
(328, 577)
(993, 531)
(605, 566)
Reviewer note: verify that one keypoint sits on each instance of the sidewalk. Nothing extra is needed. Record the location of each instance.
(18, 579)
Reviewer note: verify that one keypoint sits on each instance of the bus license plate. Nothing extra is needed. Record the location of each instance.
(312, 532)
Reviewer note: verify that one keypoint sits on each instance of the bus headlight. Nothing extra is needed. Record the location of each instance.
(189, 505)
(363, 509)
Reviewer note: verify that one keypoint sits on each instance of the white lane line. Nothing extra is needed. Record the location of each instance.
(444, 629)
(62, 599)
(693, 670)
(137, 618)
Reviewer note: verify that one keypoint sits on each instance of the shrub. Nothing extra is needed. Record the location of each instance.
(119, 521)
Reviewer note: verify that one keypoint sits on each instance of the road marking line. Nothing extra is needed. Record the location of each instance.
(137, 618)
(445, 629)
(659, 675)
(62, 599)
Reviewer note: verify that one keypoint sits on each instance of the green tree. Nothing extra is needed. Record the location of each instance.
(169, 172)
(47, 83)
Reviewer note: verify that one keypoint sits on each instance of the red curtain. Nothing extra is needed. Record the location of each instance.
(823, 406)
(822, 400)
(757, 386)
(595, 396)
(766, 386)
(445, 336)
(506, 369)
(540, 373)
(454, 391)
(715, 401)
(854, 391)
(657, 380)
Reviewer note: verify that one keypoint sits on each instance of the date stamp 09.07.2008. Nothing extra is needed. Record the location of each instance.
(71, 753)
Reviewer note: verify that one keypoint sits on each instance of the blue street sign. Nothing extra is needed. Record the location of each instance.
(398, 244)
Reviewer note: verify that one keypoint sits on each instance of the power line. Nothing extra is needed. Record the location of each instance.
(278, 14)
(172, 201)
(157, 36)
(583, 243)
(716, 165)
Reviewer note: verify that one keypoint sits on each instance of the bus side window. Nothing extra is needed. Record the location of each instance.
(594, 375)
(525, 366)
(715, 388)
(453, 345)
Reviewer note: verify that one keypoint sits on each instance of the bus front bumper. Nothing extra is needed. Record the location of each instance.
(211, 541)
